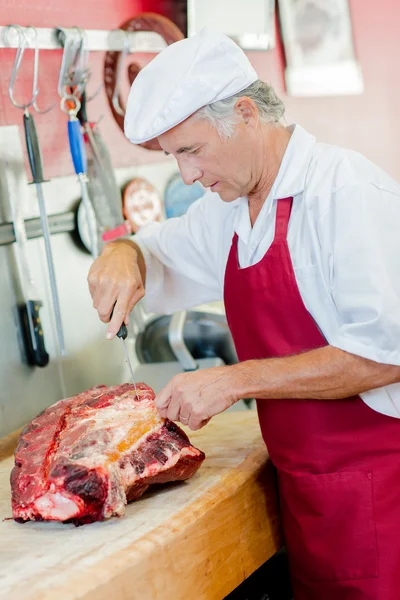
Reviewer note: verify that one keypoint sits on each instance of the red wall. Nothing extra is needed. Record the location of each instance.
(369, 123)
(52, 127)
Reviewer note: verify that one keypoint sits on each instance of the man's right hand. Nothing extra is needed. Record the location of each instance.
(116, 283)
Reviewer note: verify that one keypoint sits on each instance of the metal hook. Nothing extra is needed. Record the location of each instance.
(83, 69)
(72, 42)
(115, 97)
(34, 103)
(74, 72)
(22, 45)
(96, 93)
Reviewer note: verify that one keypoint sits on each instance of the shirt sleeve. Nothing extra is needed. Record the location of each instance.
(180, 257)
(363, 245)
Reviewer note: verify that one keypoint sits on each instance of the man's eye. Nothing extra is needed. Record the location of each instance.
(195, 151)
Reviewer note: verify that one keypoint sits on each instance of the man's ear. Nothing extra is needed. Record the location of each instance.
(247, 109)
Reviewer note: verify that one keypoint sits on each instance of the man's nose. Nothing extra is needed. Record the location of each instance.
(189, 173)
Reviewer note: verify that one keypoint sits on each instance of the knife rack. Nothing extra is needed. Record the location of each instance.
(58, 223)
(96, 40)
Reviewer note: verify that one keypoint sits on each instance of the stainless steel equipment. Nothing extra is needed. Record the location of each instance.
(187, 337)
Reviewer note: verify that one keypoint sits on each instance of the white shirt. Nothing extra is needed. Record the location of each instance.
(344, 240)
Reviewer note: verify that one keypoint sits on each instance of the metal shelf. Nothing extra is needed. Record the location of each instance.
(97, 40)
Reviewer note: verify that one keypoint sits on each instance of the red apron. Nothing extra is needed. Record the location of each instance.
(338, 461)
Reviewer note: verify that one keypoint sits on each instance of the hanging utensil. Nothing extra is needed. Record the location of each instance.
(79, 160)
(104, 191)
(29, 310)
(35, 162)
(72, 82)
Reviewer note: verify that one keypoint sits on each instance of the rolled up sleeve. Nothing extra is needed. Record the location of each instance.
(364, 271)
(180, 257)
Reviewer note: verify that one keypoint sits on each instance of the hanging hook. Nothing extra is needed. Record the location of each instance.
(69, 72)
(22, 45)
(96, 93)
(115, 97)
(36, 48)
(74, 72)
(81, 73)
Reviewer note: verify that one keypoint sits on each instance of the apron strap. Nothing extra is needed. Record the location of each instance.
(283, 210)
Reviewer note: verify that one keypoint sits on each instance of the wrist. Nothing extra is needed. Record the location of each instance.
(120, 244)
(242, 380)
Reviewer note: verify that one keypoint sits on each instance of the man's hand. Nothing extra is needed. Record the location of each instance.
(116, 283)
(193, 398)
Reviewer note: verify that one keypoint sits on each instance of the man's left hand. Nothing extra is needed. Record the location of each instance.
(193, 398)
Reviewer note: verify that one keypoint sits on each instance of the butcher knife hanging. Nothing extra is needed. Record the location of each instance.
(32, 329)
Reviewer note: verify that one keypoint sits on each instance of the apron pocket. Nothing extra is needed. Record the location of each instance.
(329, 525)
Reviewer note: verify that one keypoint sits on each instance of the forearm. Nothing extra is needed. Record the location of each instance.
(325, 373)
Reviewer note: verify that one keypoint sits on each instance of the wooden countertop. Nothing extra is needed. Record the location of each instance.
(196, 540)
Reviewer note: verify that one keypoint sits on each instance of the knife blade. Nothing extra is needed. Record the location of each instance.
(123, 334)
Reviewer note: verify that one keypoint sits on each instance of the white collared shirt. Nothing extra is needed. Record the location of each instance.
(344, 240)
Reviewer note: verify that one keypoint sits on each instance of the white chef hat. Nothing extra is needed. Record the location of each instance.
(181, 79)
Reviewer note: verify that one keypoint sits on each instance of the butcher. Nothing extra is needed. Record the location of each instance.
(301, 241)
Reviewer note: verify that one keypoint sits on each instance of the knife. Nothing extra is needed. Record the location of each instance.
(123, 334)
(32, 330)
(35, 162)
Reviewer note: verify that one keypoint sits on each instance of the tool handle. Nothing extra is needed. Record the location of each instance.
(123, 330)
(36, 352)
(32, 145)
(77, 146)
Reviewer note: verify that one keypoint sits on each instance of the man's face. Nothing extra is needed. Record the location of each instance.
(223, 165)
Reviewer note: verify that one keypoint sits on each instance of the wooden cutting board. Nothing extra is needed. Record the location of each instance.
(186, 541)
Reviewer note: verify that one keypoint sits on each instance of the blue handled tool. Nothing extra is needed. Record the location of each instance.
(74, 74)
(78, 154)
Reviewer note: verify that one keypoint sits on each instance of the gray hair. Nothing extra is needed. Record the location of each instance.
(222, 116)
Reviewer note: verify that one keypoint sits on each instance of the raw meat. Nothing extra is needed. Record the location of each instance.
(84, 458)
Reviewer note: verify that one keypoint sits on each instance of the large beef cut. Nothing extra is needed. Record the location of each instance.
(84, 458)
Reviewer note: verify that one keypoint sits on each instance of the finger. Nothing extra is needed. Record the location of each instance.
(197, 420)
(104, 291)
(92, 279)
(138, 295)
(106, 306)
(174, 408)
(194, 424)
(118, 316)
(163, 399)
(184, 418)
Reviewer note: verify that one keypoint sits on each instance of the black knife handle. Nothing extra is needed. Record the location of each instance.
(123, 332)
(32, 145)
(38, 357)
